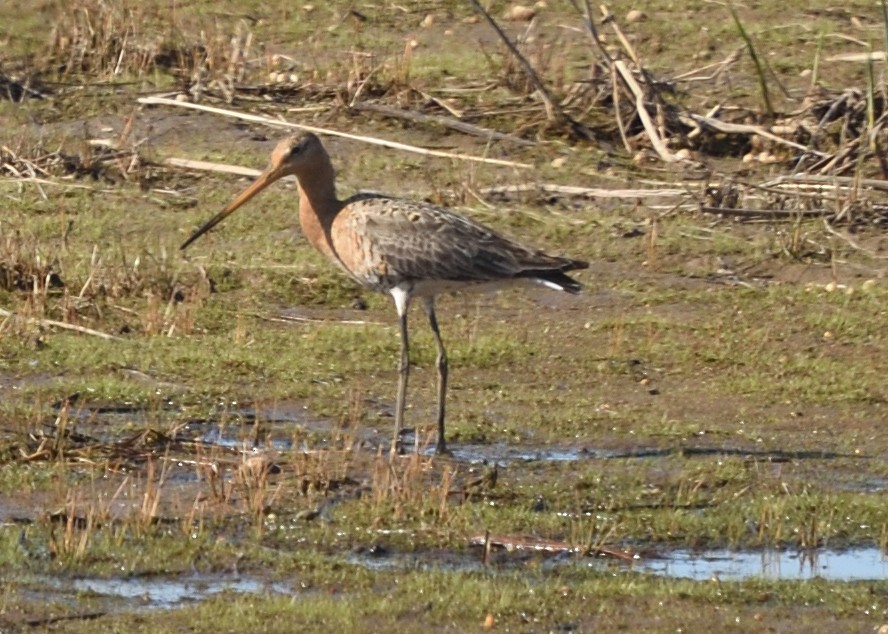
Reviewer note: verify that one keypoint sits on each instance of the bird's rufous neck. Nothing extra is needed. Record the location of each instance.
(317, 188)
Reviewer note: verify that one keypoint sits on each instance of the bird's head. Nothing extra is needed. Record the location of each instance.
(295, 155)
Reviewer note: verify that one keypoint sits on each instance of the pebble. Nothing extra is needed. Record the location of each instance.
(519, 13)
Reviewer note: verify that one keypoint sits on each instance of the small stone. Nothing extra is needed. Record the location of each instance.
(308, 8)
(255, 467)
(748, 158)
(868, 285)
(489, 622)
(293, 78)
(807, 72)
(519, 13)
(830, 287)
(559, 162)
(427, 21)
(684, 154)
(182, 97)
(635, 16)
(307, 515)
(642, 156)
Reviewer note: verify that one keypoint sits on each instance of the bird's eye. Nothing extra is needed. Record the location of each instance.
(295, 150)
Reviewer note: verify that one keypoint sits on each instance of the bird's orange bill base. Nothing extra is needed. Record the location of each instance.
(265, 179)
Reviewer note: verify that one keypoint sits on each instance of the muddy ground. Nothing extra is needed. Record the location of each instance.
(199, 441)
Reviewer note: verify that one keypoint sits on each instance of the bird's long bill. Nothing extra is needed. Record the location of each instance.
(265, 179)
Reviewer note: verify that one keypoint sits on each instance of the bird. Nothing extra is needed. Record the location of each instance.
(405, 248)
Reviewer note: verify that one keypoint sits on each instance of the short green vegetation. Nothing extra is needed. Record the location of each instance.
(219, 421)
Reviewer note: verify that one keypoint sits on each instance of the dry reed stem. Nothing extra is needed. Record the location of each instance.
(649, 128)
(52, 323)
(161, 101)
(554, 111)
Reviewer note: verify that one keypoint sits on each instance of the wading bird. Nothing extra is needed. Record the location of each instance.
(401, 247)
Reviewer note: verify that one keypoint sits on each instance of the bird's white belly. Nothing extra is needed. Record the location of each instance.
(430, 288)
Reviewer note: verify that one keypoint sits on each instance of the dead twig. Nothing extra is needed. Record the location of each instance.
(301, 319)
(588, 192)
(753, 55)
(765, 213)
(693, 120)
(553, 110)
(517, 542)
(499, 190)
(207, 166)
(721, 67)
(51, 323)
(592, 30)
(615, 91)
(649, 127)
(826, 182)
(453, 124)
(851, 241)
(160, 101)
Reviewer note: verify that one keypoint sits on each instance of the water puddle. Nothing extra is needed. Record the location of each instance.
(853, 564)
(503, 454)
(143, 594)
(157, 593)
(279, 427)
(273, 429)
(289, 425)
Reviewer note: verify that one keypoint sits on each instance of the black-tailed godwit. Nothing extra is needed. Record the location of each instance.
(404, 248)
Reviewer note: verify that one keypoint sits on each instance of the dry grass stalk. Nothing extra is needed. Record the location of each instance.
(364, 139)
(641, 109)
(554, 111)
(52, 323)
(446, 122)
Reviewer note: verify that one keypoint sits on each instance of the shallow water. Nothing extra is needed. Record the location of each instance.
(853, 564)
(158, 593)
(503, 454)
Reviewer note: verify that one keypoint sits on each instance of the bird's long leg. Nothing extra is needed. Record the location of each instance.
(429, 305)
(402, 303)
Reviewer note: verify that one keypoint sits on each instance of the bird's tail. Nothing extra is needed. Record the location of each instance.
(557, 279)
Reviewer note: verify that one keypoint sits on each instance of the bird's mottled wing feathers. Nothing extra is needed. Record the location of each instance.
(406, 240)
